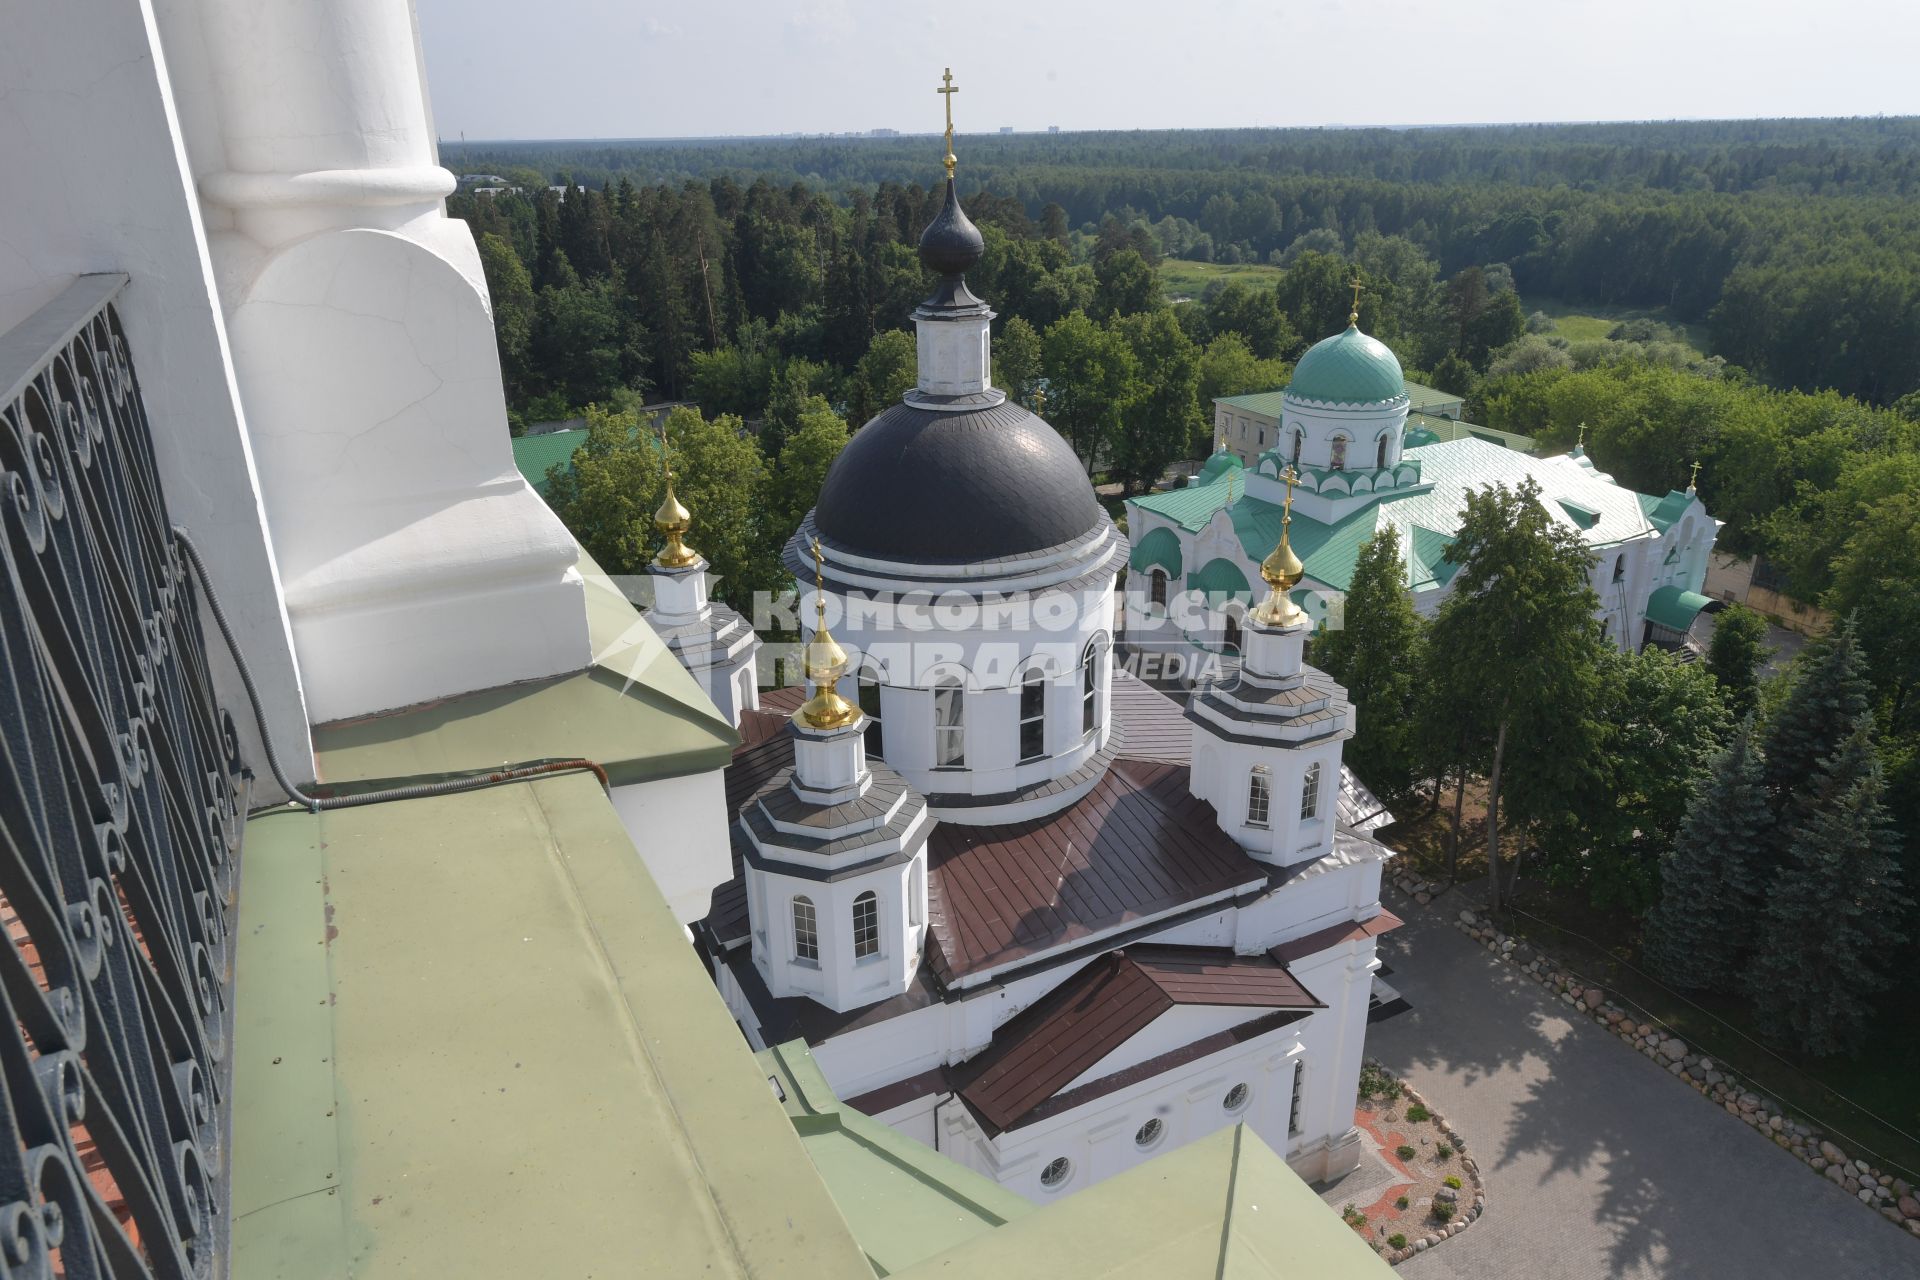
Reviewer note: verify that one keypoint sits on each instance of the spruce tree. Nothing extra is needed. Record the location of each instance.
(1697, 934)
(1829, 694)
(1835, 910)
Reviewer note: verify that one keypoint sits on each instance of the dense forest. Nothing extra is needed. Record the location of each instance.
(1797, 242)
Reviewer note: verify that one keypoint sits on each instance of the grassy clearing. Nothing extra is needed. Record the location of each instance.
(1183, 279)
(1584, 321)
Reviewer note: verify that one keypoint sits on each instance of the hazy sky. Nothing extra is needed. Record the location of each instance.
(653, 68)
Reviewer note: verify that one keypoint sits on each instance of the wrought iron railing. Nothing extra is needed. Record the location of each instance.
(121, 806)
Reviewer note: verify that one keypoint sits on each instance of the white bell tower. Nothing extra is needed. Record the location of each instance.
(1267, 748)
(713, 642)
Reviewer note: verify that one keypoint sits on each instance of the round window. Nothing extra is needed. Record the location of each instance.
(1236, 1099)
(1057, 1171)
(1148, 1133)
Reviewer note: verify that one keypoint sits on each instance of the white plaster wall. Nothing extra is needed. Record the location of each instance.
(837, 979)
(1177, 1028)
(680, 827)
(98, 181)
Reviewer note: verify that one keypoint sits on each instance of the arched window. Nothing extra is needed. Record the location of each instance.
(1157, 587)
(1339, 453)
(806, 930)
(1090, 687)
(1380, 456)
(1263, 437)
(1033, 715)
(949, 725)
(1233, 630)
(1310, 792)
(1620, 568)
(869, 687)
(866, 925)
(1259, 796)
(1299, 438)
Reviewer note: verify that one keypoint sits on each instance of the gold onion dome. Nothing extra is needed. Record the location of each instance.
(1281, 571)
(673, 520)
(825, 663)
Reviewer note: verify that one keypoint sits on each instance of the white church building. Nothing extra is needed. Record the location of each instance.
(1343, 431)
(1021, 906)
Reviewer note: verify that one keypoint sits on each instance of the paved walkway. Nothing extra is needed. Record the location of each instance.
(1598, 1165)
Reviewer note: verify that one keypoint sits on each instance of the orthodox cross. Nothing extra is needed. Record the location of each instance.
(1581, 442)
(819, 590)
(1354, 317)
(1693, 480)
(947, 90)
(1286, 511)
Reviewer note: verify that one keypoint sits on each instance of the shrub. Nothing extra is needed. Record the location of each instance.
(1417, 1113)
(1354, 1217)
(1442, 1152)
(1405, 1153)
(1442, 1211)
(1401, 1203)
(1452, 1182)
(1397, 1240)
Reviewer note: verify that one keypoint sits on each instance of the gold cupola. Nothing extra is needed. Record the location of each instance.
(825, 663)
(673, 520)
(1281, 571)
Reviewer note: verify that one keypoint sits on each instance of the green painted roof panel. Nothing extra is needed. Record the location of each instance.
(1158, 547)
(1674, 607)
(536, 456)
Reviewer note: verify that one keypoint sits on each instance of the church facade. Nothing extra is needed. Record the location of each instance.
(1021, 906)
(1341, 426)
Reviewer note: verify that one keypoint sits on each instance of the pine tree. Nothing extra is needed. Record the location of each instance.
(1698, 933)
(1834, 912)
(1828, 696)
(1375, 653)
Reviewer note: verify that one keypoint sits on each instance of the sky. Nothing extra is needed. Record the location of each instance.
(651, 68)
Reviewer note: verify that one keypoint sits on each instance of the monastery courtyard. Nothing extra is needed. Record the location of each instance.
(1597, 1165)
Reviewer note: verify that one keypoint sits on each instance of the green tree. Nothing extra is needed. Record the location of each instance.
(1701, 929)
(1874, 584)
(792, 485)
(1126, 286)
(1827, 696)
(733, 380)
(1159, 423)
(578, 344)
(1091, 380)
(511, 289)
(1834, 912)
(1658, 725)
(1016, 360)
(1734, 655)
(1519, 629)
(1254, 315)
(1376, 653)
(795, 391)
(887, 371)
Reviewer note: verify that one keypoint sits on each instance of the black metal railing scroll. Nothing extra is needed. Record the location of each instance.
(121, 807)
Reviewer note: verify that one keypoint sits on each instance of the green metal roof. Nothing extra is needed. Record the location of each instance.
(537, 456)
(1421, 397)
(1159, 547)
(1674, 607)
(1428, 429)
(1190, 508)
(470, 1039)
(1224, 1207)
(1266, 403)
(1348, 368)
(903, 1200)
(635, 710)
(1219, 464)
(1220, 578)
(1662, 513)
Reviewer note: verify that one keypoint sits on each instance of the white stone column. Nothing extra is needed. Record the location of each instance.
(417, 562)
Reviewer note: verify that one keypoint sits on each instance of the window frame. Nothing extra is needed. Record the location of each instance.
(950, 727)
(1090, 660)
(1033, 715)
(875, 734)
(804, 917)
(1337, 452)
(1310, 793)
(1295, 1103)
(1260, 797)
(868, 903)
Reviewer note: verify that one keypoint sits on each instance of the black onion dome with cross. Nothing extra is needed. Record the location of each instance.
(953, 474)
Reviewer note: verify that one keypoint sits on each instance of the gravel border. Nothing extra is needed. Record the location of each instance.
(1468, 1167)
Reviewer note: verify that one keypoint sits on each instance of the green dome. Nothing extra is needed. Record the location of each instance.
(1218, 465)
(1348, 368)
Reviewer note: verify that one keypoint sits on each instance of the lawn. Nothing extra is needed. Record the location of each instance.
(1585, 321)
(1183, 279)
(1868, 1101)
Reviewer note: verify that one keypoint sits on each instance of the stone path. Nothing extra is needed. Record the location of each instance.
(1597, 1165)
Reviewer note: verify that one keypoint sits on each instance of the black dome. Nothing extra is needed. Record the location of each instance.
(951, 243)
(927, 487)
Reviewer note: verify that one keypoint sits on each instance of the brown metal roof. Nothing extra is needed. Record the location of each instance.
(1154, 726)
(1063, 1034)
(1335, 934)
(1135, 846)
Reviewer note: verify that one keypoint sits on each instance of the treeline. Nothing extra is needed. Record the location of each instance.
(1797, 242)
